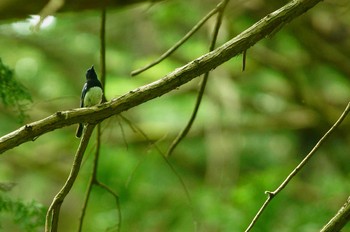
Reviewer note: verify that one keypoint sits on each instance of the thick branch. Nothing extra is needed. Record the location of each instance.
(269, 24)
(339, 220)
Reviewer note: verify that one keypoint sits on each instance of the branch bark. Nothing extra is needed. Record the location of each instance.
(263, 28)
(339, 220)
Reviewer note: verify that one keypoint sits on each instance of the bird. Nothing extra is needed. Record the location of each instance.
(91, 95)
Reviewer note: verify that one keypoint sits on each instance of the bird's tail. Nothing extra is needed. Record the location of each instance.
(79, 130)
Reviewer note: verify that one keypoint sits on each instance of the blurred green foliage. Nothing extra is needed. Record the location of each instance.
(252, 129)
(12, 93)
(26, 216)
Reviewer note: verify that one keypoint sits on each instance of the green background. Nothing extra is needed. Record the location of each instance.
(251, 131)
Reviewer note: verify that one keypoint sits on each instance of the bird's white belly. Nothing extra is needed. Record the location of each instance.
(93, 97)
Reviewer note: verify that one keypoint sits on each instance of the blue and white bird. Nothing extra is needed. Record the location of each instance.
(91, 94)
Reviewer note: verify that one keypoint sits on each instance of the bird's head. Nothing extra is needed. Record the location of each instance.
(91, 74)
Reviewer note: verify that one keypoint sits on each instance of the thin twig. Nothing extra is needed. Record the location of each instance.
(116, 197)
(137, 129)
(93, 179)
(103, 51)
(180, 42)
(85, 203)
(244, 60)
(271, 195)
(52, 216)
(102, 79)
(123, 135)
(184, 132)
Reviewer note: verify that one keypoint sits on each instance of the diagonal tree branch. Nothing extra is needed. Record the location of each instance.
(263, 28)
(180, 42)
(271, 195)
(52, 216)
(187, 128)
(339, 220)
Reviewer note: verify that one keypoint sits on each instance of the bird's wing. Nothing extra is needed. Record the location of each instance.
(83, 92)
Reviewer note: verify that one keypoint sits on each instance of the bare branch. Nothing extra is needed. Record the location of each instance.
(244, 60)
(173, 80)
(271, 195)
(93, 179)
(180, 42)
(51, 223)
(116, 197)
(339, 220)
(187, 128)
(135, 128)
